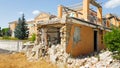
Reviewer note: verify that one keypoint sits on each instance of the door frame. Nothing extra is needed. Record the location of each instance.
(95, 40)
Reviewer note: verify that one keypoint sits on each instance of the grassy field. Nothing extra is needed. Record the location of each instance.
(19, 61)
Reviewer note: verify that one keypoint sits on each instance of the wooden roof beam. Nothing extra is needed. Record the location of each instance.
(93, 2)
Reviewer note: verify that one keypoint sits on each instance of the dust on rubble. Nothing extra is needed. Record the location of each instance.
(19, 60)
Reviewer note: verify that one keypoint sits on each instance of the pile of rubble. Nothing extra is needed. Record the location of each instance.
(59, 56)
(102, 60)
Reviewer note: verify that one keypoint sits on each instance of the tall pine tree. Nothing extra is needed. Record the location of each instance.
(21, 29)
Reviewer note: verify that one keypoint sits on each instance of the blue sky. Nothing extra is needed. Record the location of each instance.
(11, 10)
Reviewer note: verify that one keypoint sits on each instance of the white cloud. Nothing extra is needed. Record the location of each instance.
(20, 12)
(112, 4)
(35, 12)
(30, 19)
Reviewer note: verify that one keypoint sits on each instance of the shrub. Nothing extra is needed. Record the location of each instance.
(112, 41)
(33, 38)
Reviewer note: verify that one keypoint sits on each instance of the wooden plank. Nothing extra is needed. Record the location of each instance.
(68, 9)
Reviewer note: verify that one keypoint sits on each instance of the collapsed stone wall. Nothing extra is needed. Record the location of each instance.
(57, 53)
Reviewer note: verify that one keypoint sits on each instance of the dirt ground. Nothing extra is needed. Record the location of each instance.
(19, 61)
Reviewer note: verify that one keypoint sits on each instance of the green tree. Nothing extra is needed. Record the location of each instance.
(21, 29)
(112, 41)
(5, 32)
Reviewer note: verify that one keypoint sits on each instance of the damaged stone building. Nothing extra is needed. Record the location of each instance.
(78, 27)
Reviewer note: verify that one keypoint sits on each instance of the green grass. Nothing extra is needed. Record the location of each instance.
(11, 38)
(116, 56)
(7, 38)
